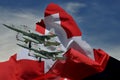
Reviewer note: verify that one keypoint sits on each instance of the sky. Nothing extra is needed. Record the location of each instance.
(99, 21)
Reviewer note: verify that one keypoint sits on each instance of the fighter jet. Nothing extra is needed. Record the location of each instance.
(46, 43)
(49, 43)
(27, 39)
(45, 54)
(34, 35)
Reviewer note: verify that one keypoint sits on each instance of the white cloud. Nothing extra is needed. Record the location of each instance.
(8, 45)
(18, 18)
(74, 7)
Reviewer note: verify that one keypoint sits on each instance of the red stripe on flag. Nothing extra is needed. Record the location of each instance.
(29, 69)
(8, 69)
(21, 69)
(40, 27)
(67, 22)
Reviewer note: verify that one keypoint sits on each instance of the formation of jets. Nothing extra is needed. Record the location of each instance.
(33, 37)
(45, 54)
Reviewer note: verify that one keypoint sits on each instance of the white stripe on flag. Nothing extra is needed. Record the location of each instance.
(75, 42)
(53, 21)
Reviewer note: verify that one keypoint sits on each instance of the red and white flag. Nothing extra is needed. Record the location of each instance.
(65, 27)
(77, 66)
(80, 55)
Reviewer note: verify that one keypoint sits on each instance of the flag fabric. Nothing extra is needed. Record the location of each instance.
(55, 14)
(77, 66)
(66, 29)
(28, 67)
(7, 69)
(40, 27)
(22, 69)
